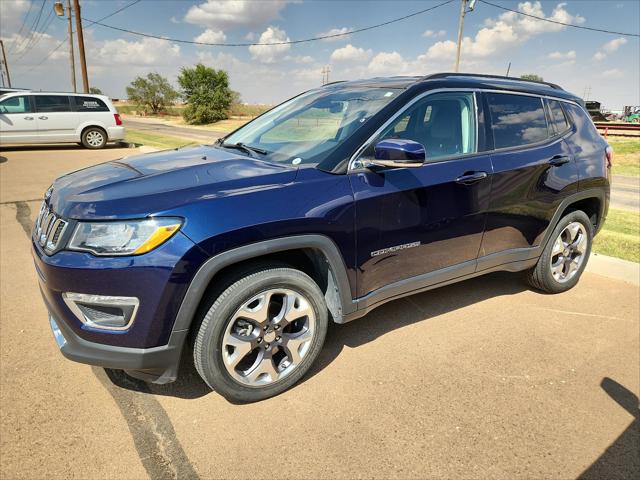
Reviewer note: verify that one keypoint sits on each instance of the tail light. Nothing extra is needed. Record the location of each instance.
(609, 154)
(117, 118)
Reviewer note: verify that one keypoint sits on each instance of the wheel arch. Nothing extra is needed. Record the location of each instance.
(86, 127)
(315, 255)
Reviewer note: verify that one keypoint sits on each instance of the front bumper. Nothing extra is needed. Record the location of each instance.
(157, 364)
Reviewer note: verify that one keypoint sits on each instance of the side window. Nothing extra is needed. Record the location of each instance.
(19, 104)
(558, 119)
(443, 123)
(89, 104)
(52, 103)
(516, 119)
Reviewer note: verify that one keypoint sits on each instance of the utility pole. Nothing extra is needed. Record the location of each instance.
(83, 60)
(463, 12)
(508, 69)
(59, 9)
(6, 65)
(325, 74)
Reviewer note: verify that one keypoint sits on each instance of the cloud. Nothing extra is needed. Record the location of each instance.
(146, 52)
(220, 15)
(385, 63)
(270, 53)
(335, 31)
(434, 33)
(351, 54)
(609, 47)
(11, 16)
(211, 36)
(570, 55)
(507, 31)
(613, 73)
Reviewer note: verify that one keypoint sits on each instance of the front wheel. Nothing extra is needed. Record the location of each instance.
(565, 256)
(262, 334)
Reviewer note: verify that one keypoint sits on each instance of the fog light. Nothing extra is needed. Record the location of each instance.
(103, 311)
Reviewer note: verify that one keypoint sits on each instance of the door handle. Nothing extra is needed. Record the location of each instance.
(470, 178)
(558, 160)
(28, 118)
(43, 117)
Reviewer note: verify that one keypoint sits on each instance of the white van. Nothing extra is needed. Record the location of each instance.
(43, 117)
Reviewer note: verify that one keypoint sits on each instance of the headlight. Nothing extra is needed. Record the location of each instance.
(132, 237)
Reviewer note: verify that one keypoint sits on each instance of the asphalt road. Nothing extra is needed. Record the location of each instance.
(625, 192)
(196, 134)
(483, 379)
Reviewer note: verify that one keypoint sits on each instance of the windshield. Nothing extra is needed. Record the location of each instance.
(307, 128)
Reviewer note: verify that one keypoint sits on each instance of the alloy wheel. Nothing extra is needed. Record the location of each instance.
(268, 337)
(568, 252)
(94, 138)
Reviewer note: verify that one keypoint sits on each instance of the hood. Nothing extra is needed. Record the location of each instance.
(142, 185)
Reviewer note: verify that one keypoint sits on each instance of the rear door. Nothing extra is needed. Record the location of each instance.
(416, 221)
(56, 120)
(18, 123)
(533, 171)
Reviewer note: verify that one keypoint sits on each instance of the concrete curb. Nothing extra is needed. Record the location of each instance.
(614, 268)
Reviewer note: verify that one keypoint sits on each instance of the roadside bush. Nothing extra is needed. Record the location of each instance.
(207, 93)
(152, 94)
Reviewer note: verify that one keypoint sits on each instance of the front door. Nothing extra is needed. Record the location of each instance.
(18, 122)
(427, 220)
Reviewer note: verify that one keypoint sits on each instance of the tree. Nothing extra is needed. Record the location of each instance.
(95, 91)
(531, 76)
(152, 93)
(207, 93)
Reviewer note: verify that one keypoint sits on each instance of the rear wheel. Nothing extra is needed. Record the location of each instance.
(262, 334)
(94, 138)
(565, 256)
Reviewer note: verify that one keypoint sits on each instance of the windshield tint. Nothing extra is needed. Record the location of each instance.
(309, 127)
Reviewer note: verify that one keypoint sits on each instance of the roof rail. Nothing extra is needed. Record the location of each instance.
(480, 75)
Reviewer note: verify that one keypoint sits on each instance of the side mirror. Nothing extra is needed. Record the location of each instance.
(398, 152)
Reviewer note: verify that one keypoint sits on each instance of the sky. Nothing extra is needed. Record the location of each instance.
(597, 66)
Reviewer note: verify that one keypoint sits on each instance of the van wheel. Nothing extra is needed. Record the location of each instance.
(262, 334)
(565, 256)
(94, 138)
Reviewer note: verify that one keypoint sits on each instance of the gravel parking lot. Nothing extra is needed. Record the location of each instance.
(483, 379)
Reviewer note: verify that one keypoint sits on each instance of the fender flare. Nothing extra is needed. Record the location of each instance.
(211, 267)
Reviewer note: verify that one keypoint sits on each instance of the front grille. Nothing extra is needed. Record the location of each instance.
(48, 229)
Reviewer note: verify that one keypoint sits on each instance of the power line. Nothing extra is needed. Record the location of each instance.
(34, 25)
(287, 42)
(24, 21)
(602, 30)
(55, 49)
(36, 38)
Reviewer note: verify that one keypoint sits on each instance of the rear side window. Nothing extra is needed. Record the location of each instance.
(558, 119)
(52, 103)
(19, 104)
(89, 104)
(516, 119)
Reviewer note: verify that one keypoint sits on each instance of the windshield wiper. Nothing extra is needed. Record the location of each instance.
(244, 148)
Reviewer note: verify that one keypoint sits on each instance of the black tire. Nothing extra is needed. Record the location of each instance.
(94, 138)
(208, 344)
(541, 277)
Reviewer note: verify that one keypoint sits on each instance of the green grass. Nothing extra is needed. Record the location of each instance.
(620, 235)
(626, 160)
(153, 140)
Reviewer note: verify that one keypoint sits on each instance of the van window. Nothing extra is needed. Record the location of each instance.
(443, 123)
(89, 104)
(19, 104)
(558, 120)
(516, 119)
(52, 103)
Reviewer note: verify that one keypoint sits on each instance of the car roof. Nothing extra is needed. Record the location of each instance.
(465, 80)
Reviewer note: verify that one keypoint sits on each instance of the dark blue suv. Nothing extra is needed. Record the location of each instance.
(323, 208)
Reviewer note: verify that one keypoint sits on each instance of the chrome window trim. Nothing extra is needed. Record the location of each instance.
(70, 299)
(354, 158)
